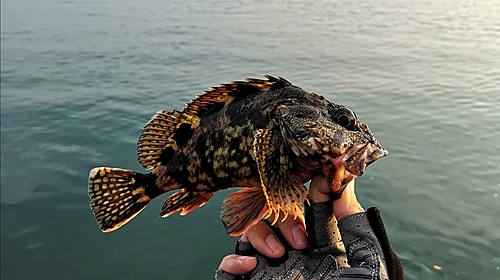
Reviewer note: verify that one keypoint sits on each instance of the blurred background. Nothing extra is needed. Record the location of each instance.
(79, 79)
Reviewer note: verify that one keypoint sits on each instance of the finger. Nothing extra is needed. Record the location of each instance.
(263, 239)
(350, 187)
(347, 204)
(237, 265)
(294, 231)
(319, 190)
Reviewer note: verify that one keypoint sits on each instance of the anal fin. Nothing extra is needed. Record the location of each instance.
(242, 209)
(185, 201)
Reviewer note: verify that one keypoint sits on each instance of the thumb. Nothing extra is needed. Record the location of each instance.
(237, 265)
(323, 234)
(321, 224)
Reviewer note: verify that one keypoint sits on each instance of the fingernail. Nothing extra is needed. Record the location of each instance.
(245, 259)
(299, 236)
(273, 243)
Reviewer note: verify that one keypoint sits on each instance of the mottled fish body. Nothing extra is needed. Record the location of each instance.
(268, 137)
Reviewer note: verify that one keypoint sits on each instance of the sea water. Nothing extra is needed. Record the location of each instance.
(79, 79)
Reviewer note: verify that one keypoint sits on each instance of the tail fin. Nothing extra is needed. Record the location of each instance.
(242, 209)
(118, 195)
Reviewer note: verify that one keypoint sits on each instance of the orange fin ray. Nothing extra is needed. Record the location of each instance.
(185, 201)
(283, 190)
(242, 209)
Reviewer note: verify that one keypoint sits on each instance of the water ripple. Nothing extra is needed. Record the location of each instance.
(79, 79)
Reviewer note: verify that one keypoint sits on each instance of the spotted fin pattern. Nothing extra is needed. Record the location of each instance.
(283, 190)
(117, 195)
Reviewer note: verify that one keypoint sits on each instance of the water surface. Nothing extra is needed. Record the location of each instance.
(79, 79)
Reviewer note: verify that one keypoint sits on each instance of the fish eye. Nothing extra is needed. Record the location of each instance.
(344, 120)
(345, 117)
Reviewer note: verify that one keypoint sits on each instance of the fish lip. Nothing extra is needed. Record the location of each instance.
(377, 153)
(360, 156)
(341, 170)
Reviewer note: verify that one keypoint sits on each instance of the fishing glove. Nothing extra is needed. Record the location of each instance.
(326, 258)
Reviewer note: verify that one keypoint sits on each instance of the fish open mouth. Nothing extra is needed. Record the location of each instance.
(359, 157)
(341, 170)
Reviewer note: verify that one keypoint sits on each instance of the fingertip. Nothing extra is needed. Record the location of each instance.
(294, 231)
(238, 265)
(262, 238)
(247, 263)
(299, 237)
(276, 249)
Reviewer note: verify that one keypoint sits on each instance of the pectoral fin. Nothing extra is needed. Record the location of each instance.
(242, 209)
(282, 189)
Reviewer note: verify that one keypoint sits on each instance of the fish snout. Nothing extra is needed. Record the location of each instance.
(378, 153)
(362, 156)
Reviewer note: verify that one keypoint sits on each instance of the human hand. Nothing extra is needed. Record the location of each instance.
(264, 240)
(346, 205)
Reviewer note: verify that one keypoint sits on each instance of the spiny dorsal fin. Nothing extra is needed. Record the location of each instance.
(166, 132)
(218, 96)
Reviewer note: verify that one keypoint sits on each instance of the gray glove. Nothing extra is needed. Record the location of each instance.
(324, 255)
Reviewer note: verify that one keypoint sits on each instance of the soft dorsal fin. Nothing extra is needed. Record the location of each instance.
(157, 137)
(167, 131)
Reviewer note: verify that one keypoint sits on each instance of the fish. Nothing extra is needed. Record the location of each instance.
(265, 136)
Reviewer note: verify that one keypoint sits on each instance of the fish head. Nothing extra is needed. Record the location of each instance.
(332, 137)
